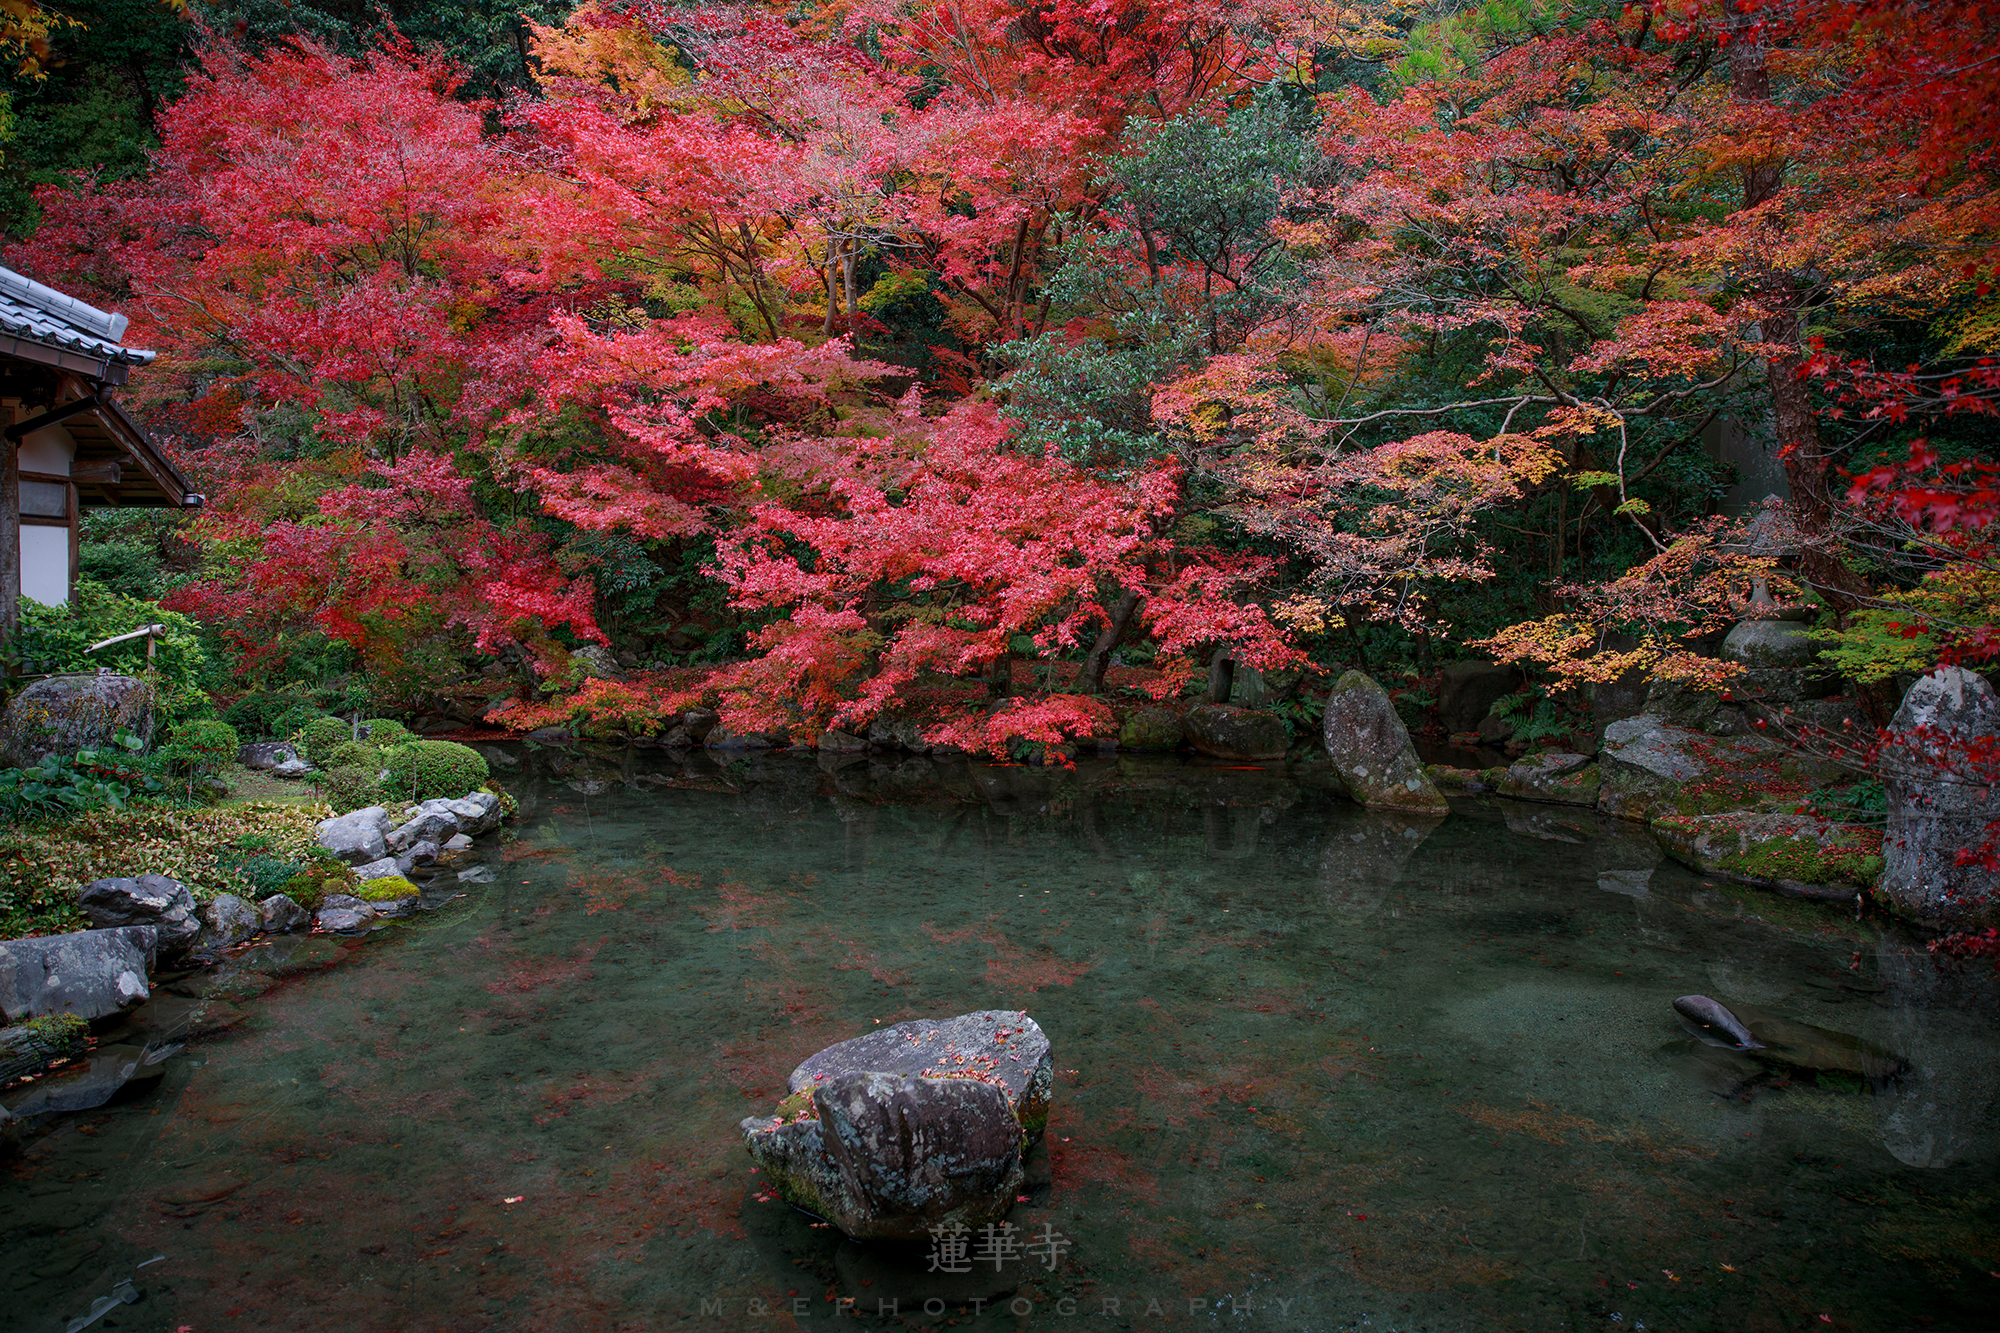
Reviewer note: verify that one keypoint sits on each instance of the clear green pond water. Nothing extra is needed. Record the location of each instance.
(1317, 1070)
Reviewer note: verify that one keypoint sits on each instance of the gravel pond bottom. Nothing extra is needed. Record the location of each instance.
(1317, 1069)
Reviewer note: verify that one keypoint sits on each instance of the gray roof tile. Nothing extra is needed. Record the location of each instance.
(34, 313)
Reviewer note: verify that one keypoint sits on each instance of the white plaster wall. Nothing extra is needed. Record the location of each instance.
(45, 565)
(48, 451)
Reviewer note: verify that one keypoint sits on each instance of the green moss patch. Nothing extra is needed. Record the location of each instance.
(387, 889)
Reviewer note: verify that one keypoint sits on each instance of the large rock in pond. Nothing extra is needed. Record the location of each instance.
(1224, 731)
(913, 1127)
(91, 973)
(1800, 855)
(1371, 751)
(64, 714)
(1943, 799)
(357, 837)
(1467, 692)
(150, 900)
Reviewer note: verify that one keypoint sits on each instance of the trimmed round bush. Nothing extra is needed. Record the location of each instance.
(423, 770)
(386, 731)
(354, 754)
(349, 788)
(317, 738)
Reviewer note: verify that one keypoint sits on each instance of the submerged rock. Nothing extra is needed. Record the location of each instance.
(89, 973)
(150, 900)
(915, 1126)
(1371, 751)
(64, 714)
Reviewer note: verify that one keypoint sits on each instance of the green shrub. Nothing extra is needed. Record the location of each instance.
(293, 720)
(422, 770)
(55, 637)
(51, 1035)
(265, 875)
(313, 884)
(349, 788)
(386, 731)
(316, 739)
(202, 746)
(354, 754)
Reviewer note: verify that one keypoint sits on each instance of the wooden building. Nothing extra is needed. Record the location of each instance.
(68, 446)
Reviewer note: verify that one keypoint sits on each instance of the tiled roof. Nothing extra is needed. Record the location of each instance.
(33, 313)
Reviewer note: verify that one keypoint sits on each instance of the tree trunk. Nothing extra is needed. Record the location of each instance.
(1098, 660)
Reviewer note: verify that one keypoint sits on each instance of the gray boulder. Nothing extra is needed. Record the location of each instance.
(1558, 779)
(280, 915)
(473, 813)
(150, 900)
(1646, 760)
(263, 756)
(455, 844)
(1371, 751)
(423, 853)
(699, 722)
(1467, 692)
(228, 921)
(936, 1139)
(596, 662)
(431, 825)
(293, 769)
(357, 837)
(64, 714)
(1225, 731)
(1943, 799)
(386, 868)
(835, 741)
(344, 912)
(91, 973)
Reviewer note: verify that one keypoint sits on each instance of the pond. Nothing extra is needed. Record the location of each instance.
(1317, 1069)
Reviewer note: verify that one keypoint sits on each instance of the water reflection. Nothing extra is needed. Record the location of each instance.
(1318, 1066)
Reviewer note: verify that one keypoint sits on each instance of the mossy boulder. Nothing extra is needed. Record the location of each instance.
(1371, 751)
(1151, 729)
(1554, 778)
(1224, 731)
(64, 714)
(1800, 855)
(386, 889)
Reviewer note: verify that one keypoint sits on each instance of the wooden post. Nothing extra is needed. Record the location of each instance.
(10, 541)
